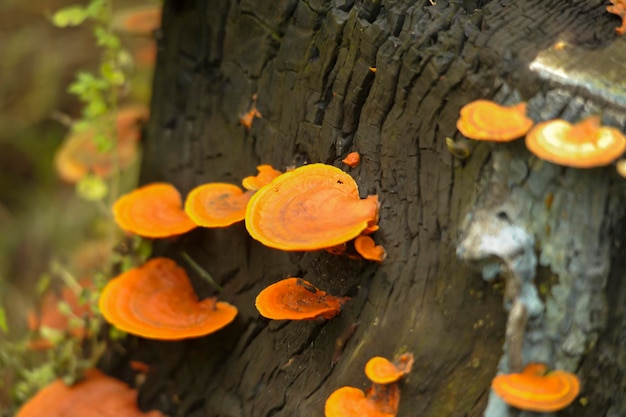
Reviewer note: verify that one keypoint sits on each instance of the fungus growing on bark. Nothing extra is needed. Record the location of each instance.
(585, 144)
(266, 175)
(96, 395)
(377, 401)
(486, 120)
(382, 371)
(618, 8)
(157, 301)
(297, 299)
(352, 159)
(312, 207)
(535, 390)
(138, 20)
(217, 204)
(154, 210)
(368, 249)
(247, 119)
(79, 155)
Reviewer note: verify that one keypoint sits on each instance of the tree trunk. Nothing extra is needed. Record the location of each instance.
(311, 66)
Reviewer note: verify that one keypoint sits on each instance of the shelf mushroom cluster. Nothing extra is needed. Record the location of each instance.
(382, 399)
(586, 144)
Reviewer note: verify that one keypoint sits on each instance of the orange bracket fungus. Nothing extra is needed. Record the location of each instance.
(618, 8)
(369, 250)
(266, 175)
(154, 210)
(486, 120)
(382, 371)
(138, 20)
(378, 401)
(297, 299)
(585, 144)
(312, 207)
(156, 301)
(96, 395)
(352, 159)
(534, 389)
(217, 204)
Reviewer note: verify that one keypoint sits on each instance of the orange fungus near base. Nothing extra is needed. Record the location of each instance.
(536, 390)
(352, 159)
(297, 299)
(585, 144)
(379, 401)
(97, 395)
(312, 207)
(154, 210)
(382, 371)
(368, 249)
(217, 204)
(266, 175)
(156, 301)
(618, 8)
(486, 120)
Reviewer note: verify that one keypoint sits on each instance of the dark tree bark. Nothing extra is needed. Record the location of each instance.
(309, 62)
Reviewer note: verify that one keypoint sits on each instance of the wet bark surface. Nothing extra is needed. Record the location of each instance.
(310, 63)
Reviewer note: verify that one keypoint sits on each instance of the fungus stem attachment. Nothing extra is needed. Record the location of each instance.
(200, 271)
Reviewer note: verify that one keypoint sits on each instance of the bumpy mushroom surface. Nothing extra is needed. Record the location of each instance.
(217, 204)
(312, 207)
(97, 395)
(154, 210)
(156, 301)
(368, 249)
(382, 371)
(585, 144)
(379, 401)
(486, 120)
(297, 299)
(535, 390)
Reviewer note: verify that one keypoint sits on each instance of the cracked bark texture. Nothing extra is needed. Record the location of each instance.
(308, 62)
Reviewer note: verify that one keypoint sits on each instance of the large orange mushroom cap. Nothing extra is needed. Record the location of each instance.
(297, 299)
(312, 207)
(266, 175)
(157, 301)
(486, 120)
(380, 401)
(154, 210)
(382, 371)
(96, 395)
(583, 145)
(217, 204)
(535, 390)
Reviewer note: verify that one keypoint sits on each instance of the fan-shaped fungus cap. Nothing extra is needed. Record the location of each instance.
(369, 250)
(297, 299)
(618, 8)
(138, 20)
(154, 210)
(266, 175)
(536, 390)
(380, 401)
(157, 301)
(79, 154)
(585, 144)
(486, 120)
(382, 371)
(352, 159)
(217, 204)
(312, 207)
(96, 395)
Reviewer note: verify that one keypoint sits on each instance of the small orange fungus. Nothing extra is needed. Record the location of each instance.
(585, 144)
(536, 390)
(486, 120)
(382, 371)
(352, 159)
(379, 401)
(217, 204)
(156, 301)
(266, 175)
(138, 20)
(79, 155)
(96, 395)
(618, 8)
(247, 119)
(154, 210)
(297, 299)
(312, 207)
(369, 250)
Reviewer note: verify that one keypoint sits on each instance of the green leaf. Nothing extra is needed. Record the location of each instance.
(69, 16)
(3, 320)
(112, 74)
(92, 188)
(106, 39)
